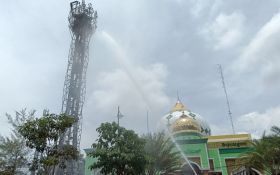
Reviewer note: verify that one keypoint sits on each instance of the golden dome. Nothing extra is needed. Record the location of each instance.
(185, 123)
(179, 106)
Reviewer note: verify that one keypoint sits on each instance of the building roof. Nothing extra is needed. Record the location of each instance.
(229, 137)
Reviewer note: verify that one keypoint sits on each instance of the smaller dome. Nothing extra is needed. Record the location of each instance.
(185, 123)
(179, 106)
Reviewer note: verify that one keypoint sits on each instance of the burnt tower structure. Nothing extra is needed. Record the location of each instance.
(82, 25)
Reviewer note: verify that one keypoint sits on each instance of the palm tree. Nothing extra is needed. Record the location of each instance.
(275, 130)
(266, 153)
(161, 155)
(275, 141)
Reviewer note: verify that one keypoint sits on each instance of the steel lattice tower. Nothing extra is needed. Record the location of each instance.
(82, 24)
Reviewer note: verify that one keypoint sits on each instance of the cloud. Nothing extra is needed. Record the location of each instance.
(225, 31)
(261, 56)
(135, 97)
(136, 88)
(220, 129)
(254, 123)
(200, 8)
(258, 122)
(145, 89)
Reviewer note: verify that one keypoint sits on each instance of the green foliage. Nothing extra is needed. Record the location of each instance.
(42, 135)
(6, 172)
(19, 118)
(39, 132)
(161, 154)
(119, 151)
(13, 152)
(266, 153)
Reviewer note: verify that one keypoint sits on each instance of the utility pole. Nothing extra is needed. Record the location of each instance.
(148, 129)
(227, 100)
(119, 115)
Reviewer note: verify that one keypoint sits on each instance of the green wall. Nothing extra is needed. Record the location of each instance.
(230, 153)
(214, 154)
(88, 161)
(195, 148)
(193, 145)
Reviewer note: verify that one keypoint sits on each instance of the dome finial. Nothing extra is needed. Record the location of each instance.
(179, 106)
(178, 98)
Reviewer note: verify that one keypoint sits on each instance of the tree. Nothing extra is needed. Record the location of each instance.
(163, 158)
(42, 135)
(266, 153)
(14, 155)
(118, 151)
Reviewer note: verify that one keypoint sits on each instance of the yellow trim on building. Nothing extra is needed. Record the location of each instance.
(229, 141)
(229, 137)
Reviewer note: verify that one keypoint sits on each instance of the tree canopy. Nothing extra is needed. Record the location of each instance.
(118, 151)
(42, 135)
(266, 154)
(14, 155)
(162, 155)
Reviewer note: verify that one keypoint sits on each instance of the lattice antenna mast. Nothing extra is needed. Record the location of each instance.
(82, 24)
(227, 101)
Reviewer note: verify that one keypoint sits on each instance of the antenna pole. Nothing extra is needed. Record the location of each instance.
(118, 115)
(225, 91)
(148, 129)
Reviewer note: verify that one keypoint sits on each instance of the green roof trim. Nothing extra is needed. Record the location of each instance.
(191, 141)
(187, 134)
(234, 150)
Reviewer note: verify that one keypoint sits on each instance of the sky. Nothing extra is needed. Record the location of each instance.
(141, 54)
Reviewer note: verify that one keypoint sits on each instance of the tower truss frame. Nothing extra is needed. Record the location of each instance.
(82, 24)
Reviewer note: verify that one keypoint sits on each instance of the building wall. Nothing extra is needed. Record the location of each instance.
(197, 150)
(231, 153)
(223, 150)
(214, 154)
(88, 162)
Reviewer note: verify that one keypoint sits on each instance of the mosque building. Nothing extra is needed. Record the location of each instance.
(206, 153)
